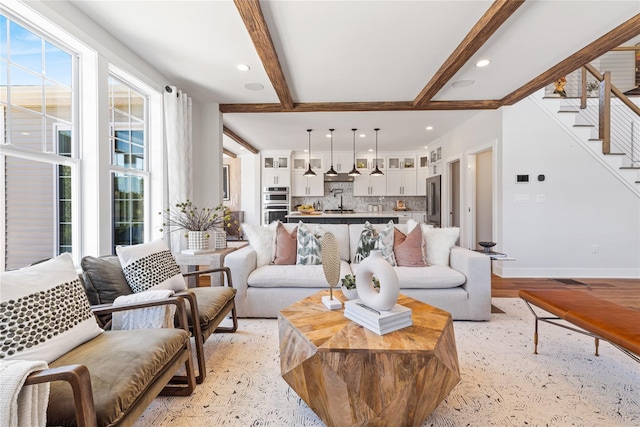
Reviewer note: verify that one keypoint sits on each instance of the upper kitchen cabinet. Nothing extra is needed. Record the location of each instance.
(401, 176)
(369, 185)
(276, 169)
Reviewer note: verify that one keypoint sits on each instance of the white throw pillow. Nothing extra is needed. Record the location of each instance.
(262, 240)
(439, 243)
(150, 266)
(45, 311)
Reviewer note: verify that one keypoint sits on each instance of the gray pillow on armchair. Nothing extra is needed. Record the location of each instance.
(104, 279)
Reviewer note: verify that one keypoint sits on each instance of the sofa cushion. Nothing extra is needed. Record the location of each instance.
(286, 246)
(45, 311)
(439, 242)
(309, 245)
(262, 240)
(408, 248)
(431, 277)
(150, 266)
(122, 365)
(211, 300)
(290, 276)
(104, 279)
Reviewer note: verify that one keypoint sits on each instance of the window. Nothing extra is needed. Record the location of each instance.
(127, 110)
(39, 165)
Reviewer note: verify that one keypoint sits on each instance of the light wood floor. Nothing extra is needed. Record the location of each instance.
(624, 292)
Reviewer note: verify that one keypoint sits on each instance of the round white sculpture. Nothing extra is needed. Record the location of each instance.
(376, 265)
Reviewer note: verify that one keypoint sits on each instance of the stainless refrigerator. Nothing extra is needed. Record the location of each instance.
(433, 201)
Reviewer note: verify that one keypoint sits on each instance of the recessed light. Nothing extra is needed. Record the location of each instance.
(426, 146)
(253, 86)
(306, 150)
(362, 135)
(463, 83)
(328, 135)
(483, 63)
(429, 127)
(25, 133)
(371, 150)
(243, 67)
(242, 148)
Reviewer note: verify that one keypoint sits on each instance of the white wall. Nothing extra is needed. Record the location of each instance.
(579, 205)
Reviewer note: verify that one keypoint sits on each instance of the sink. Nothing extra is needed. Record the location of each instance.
(338, 211)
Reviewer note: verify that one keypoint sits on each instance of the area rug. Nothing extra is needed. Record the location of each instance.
(502, 382)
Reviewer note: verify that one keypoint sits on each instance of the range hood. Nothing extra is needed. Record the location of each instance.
(341, 177)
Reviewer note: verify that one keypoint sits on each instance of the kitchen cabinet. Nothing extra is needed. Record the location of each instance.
(342, 162)
(276, 170)
(368, 185)
(401, 162)
(303, 186)
(401, 182)
(421, 189)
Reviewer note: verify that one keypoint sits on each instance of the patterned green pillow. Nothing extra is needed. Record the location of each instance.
(309, 245)
(370, 239)
(384, 243)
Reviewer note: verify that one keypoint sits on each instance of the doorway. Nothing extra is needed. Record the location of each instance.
(454, 192)
(483, 198)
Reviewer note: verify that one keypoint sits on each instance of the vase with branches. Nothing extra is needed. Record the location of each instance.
(196, 222)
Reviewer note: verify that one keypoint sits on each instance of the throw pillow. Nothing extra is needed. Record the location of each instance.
(286, 246)
(367, 242)
(371, 239)
(45, 311)
(439, 243)
(385, 243)
(408, 249)
(150, 266)
(262, 239)
(309, 245)
(411, 224)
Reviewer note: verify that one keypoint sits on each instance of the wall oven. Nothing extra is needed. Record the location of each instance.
(275, 204)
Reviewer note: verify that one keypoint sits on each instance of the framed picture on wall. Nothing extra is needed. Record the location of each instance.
(225, 183)
(439, 153)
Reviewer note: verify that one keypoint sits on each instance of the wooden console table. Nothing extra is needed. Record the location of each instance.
(350, 376)
(214, 259)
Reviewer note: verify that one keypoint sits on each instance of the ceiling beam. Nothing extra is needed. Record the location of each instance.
(231, 134)
(488, 24)
(313, 107)
(229, 153)
(251, 14)
(604, 44)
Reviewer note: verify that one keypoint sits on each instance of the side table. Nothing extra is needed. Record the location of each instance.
(213, 259)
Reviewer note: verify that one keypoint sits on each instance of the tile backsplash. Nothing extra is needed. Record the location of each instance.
(331, 200)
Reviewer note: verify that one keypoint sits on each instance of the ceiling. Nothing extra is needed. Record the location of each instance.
(361, 64)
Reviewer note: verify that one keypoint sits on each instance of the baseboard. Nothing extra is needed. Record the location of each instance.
(594, 273)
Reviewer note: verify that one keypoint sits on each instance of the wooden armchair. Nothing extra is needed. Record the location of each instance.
(111, 379)
(207, 306)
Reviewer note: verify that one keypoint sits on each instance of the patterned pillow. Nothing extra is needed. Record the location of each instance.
(385, 243)
(309, 245)
(371, 239)
(150, 266)
(45, 311)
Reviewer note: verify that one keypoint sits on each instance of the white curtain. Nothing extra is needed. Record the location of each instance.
(177, 119)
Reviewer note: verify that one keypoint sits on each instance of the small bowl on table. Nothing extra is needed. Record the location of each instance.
(306, 211)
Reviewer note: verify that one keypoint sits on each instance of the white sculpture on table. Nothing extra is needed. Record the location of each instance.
(376, 265)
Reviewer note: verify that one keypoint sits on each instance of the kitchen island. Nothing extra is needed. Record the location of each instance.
(320, 217)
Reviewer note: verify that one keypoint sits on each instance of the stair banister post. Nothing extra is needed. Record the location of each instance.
(583, 85)
(604, 113)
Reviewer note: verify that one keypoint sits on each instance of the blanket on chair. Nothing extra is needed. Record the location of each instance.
(144, 318)
(22, 406)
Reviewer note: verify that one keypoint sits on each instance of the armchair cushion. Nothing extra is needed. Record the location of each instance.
(123, 365)
(45, 311)
(211, 301)
(150, 266)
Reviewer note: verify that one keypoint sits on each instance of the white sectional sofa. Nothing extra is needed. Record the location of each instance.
(463, 288)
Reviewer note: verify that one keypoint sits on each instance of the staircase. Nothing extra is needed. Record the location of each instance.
(618, 150)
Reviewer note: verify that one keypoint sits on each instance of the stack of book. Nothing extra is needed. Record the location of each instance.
(378, 321)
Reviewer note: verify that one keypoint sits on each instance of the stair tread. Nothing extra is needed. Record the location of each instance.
(582, 126)
(630, 167)
(568, 111)
(596, 139)
(614, 154)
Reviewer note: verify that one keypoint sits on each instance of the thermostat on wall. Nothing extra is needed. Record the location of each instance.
(522, 178)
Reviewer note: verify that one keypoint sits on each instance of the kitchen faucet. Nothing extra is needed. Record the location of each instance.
(338, 191)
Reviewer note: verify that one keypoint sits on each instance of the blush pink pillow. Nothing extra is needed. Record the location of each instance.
(286, 246)
(408, 249)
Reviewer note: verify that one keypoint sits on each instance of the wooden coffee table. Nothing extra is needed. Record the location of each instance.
(349, 375)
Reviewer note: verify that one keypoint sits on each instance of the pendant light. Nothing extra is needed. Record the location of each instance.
(331, 171)
(354, 171)
(376, 171)
(309, 171)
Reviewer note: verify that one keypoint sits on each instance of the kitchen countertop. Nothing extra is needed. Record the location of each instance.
(384, 214)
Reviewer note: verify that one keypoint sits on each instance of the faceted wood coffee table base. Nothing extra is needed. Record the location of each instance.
(351, 376)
